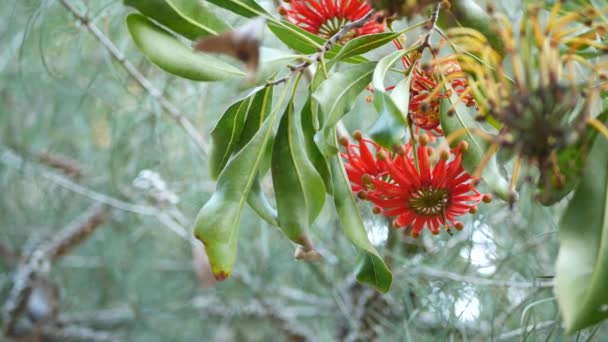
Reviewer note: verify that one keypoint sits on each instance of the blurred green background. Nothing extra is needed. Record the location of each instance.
(65, 98)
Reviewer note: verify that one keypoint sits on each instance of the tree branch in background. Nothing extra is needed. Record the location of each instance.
(30, 274)
(167, 105)
(8, 256)
(434, 273)
(68, 166)
(9, 158)
(79, 230)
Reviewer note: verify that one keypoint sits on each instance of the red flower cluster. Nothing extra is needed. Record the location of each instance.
(417, 195)
(426, 90)
(324, 18)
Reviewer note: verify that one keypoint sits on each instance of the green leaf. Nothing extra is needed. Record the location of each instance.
(188, 18)
(299, 189)
(261, 106)
(245, 8)
(581, 277)
(258, 201)
(389, 128)
(296, 38)
(366, 43)
(164, 50)
(372, 270)
(258, 110)
(336, 97)
(462, 119)
(234, 130)
(217, 223)
(305, 42)
(226, 135)
(383, 67)
(315, 156)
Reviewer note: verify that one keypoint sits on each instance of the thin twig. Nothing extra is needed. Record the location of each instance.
(329, 44)
(526, 330)
(100, 318)
(169, 107)
(432, 26)
(9, 158)
(434, 273)
(75, 332)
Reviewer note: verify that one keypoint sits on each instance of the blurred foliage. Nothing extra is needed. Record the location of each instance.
(62, 93)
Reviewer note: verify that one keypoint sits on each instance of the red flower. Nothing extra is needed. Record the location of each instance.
(324, 18)
(362, 166)
(431, 196)
(426, 90)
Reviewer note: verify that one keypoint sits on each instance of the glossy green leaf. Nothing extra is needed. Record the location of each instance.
(164, 50)
(259, 203)
(188, 18)
(372, 270)
(245, 8)
(389, 128)
(383, 67)
(365, 43)
(305, 42)
(462, 118)
(314, 155)
(226, 135)
(298, 187)
(217, 223)
(581, 277)
(295, 37)
(234, 130)
(261, 106)
(336, 97)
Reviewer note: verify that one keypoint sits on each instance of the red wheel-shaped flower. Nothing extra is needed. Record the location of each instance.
(417, 195)
(324, 18)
